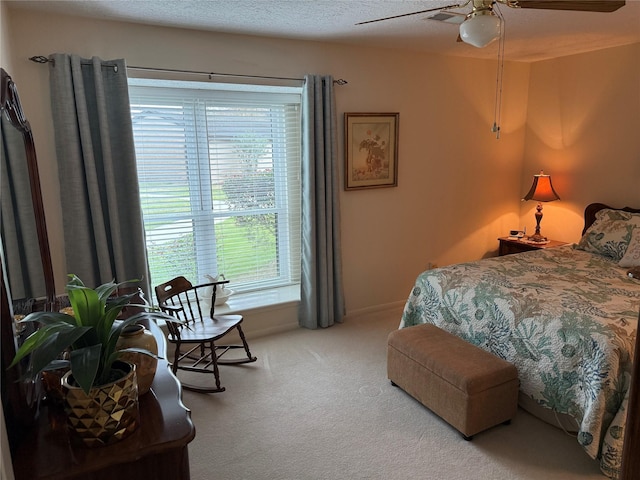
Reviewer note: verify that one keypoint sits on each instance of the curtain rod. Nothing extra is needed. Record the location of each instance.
(43, 59)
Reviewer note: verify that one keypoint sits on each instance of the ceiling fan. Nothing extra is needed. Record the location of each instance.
(482, 26)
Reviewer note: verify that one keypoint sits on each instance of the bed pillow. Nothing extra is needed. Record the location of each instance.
(631, 257)
(610, 233)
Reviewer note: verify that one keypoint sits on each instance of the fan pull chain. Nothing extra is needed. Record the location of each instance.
(497, 110)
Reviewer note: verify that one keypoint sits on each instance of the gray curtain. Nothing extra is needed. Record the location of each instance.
(102, 217)
(322, 299)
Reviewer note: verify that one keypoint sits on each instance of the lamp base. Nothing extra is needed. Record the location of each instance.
(537, 238)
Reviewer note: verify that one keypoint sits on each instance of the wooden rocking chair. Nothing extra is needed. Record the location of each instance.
(199, 331)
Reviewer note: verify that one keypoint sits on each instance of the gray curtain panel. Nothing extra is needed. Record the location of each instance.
(102, 217)
(322, 298)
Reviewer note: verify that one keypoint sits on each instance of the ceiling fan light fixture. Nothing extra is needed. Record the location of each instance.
(480, 28)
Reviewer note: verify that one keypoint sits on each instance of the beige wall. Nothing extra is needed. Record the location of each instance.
(5, 40)
(459, 187)
(583, 128)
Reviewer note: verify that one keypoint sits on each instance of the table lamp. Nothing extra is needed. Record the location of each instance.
(541, 191)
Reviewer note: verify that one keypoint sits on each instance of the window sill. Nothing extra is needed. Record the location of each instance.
(260, 303)
(264, 299)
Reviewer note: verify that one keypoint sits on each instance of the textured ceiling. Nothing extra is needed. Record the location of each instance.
(530, 35)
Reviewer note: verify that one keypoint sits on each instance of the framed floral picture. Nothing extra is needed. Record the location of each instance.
(371, 150)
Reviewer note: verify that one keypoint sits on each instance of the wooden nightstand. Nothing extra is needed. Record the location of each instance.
(510, 245)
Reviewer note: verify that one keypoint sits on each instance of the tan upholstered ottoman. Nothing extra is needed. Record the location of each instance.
(468, 387)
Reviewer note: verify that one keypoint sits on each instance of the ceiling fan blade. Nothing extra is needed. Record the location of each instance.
(412, 13)
(578, 5)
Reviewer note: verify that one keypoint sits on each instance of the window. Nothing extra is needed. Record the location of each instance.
(219, 177)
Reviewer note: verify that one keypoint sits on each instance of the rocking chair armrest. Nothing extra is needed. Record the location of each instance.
(171, 309)
(210, 284)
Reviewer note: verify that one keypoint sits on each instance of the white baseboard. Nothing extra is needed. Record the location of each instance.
(280, 318)
(377, 308)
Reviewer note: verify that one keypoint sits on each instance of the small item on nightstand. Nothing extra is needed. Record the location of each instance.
(517, 234)
(634, 272)
(535, 242)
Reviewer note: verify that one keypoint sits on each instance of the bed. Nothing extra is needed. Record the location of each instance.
(566, 317)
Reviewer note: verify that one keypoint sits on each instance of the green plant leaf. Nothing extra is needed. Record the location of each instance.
(57, 364)
(50, 349)
(49, 318)
(105, 290)
(114, 335)
(84, 365)
(86, 304)
(74, 281)
(156, 315)
(43, 355)
(31, 342)
(107, 320)
(39, 339)
(135, 350)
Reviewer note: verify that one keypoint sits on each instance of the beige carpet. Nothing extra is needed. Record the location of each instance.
(318, 405)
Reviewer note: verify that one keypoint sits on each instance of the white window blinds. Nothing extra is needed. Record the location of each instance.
(219, 176)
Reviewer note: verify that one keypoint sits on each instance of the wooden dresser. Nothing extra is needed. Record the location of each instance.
(157, 450)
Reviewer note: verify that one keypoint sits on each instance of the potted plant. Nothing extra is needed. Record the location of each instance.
(97, 407)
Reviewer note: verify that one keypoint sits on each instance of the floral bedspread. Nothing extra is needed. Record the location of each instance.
(566, 318)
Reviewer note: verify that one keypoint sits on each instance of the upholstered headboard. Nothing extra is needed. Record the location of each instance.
(593, 208)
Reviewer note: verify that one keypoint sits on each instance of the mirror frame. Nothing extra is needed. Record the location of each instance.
(12, 108)
(19, 398)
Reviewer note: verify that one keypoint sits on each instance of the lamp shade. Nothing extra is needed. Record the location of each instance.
(480, 29)
(542, 189)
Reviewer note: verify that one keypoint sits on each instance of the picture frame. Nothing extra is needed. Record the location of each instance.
(371, 150)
